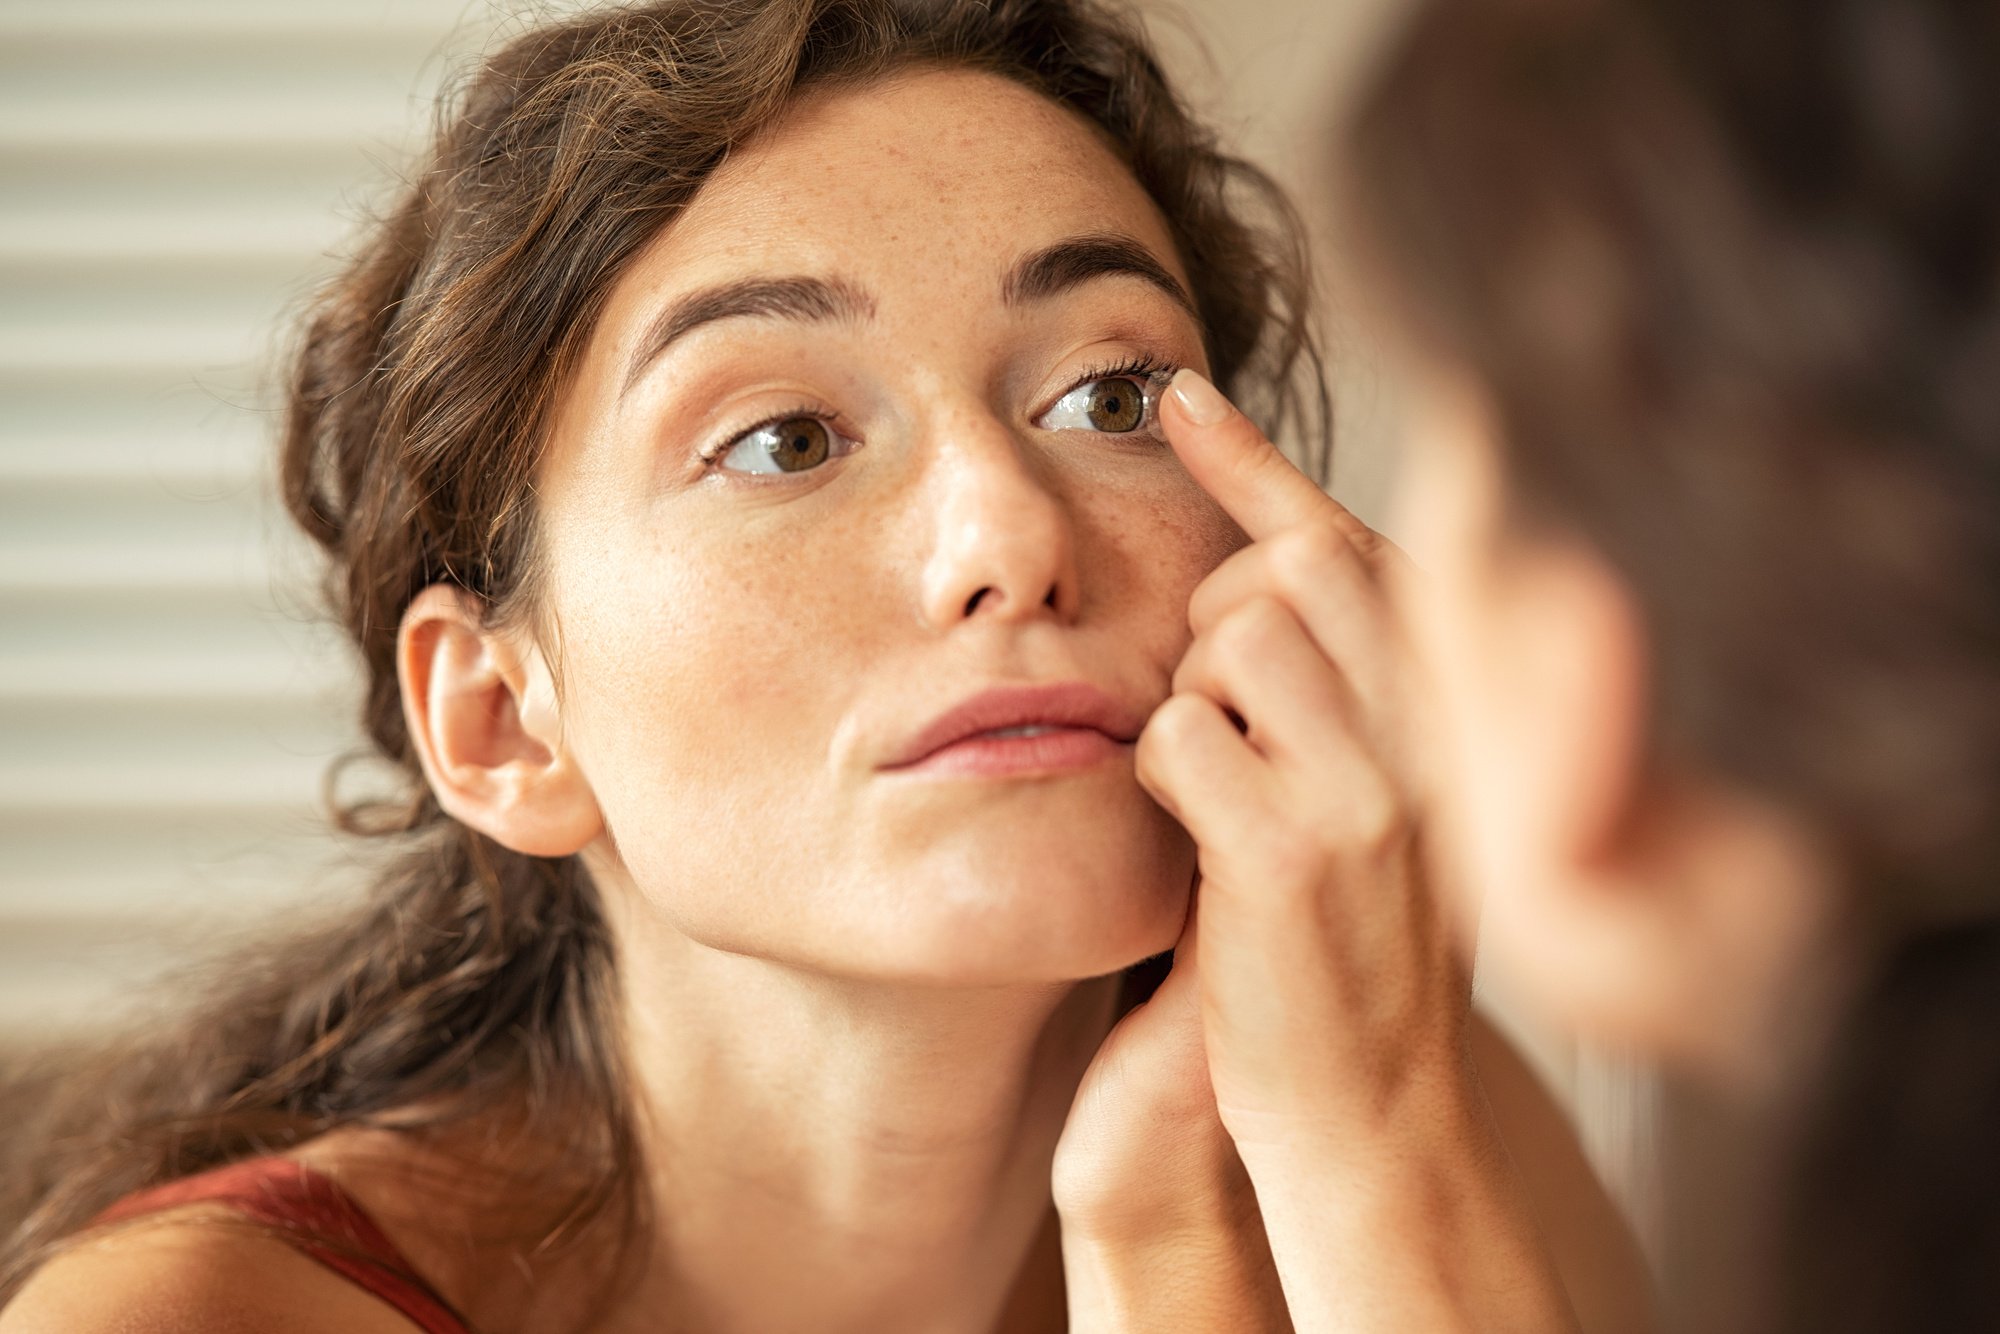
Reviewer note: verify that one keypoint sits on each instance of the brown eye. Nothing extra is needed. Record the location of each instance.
(799, 443)
(793, 444)
(1115, 406)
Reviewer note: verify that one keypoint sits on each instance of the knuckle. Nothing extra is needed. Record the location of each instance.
(1208, 601)
(1227, 643)
(1378, 550)
(1148, 764)
(1267, 616)
(1311, 559)
(1374, 818)
(1192, 671)
(1173, 723)
(1304, 558)
(1162, 741)
(1222, 588)
(1245, 635)
(1290, 862)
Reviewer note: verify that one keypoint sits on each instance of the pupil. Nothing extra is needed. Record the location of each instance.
(802, 443)
(1113, 407)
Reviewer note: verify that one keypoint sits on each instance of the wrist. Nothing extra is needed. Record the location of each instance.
(1189, 1187)
(1434, 1113)
(1183, 1278)
(1435, 1170)
(1425, 1215)
(1149, 1224)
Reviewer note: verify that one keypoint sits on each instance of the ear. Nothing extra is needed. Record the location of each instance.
(1668, 898)
(1577, 650)
(482, 712)
(1567, 918)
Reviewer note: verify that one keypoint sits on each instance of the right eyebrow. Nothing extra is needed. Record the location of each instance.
(807, 300)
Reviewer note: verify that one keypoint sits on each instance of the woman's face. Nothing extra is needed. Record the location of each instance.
(856, 445)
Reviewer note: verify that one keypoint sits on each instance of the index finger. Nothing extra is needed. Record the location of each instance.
(1230, 459)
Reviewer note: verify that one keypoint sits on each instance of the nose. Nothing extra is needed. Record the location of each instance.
(1004, 546)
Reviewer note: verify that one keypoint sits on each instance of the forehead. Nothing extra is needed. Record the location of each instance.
(925, 181)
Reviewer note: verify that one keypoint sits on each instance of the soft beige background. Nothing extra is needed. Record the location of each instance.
(172, 175)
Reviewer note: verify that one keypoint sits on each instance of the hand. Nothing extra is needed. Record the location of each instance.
(1334, 1001)
(1160, 1223)
(1334, 1004)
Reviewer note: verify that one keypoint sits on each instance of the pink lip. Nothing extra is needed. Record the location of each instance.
(1083, 726)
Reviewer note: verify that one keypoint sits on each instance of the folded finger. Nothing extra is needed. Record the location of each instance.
(1330, 587)
(1260, 663)
(1195, 763)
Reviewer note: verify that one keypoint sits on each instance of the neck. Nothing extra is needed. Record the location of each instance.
(834, 1154)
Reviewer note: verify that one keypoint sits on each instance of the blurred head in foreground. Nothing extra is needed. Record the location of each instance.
(1707, 304)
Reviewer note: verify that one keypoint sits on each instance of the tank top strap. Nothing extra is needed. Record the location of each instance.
(311, 1212)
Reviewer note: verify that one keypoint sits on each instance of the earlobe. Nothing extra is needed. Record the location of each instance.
(481, 713)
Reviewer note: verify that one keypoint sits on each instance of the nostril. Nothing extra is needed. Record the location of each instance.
(973, 603)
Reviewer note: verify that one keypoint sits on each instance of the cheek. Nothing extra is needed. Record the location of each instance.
(1145, 544)
(702, 679)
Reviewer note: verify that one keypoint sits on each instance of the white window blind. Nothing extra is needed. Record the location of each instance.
(173, 176)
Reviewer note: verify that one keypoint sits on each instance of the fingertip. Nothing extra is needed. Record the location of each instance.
(1198, 400)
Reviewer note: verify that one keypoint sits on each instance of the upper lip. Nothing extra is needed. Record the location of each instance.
(1061, 704)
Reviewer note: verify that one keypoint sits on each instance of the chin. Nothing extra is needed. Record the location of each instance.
(1042, 887)
(1059, 905)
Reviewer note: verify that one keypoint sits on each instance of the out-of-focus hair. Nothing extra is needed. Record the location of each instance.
(476, 984)
(1731, 274)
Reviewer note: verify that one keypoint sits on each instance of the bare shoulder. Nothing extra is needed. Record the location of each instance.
(188, 1270)
(1593, 1244)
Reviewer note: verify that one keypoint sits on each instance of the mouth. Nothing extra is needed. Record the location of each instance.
(1020, 731)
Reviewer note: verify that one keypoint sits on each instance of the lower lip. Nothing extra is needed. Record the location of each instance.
(1060, 750)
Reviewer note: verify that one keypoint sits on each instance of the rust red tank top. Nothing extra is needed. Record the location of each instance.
(318, 1219)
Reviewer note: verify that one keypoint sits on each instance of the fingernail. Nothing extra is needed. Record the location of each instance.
(1200, 400)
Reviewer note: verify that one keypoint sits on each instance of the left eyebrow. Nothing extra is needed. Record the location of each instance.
(1076, 260)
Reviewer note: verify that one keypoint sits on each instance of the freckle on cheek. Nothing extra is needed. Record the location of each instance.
(1192, 528)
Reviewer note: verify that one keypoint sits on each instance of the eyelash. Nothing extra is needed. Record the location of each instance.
(712, 454)
(1153, 371)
